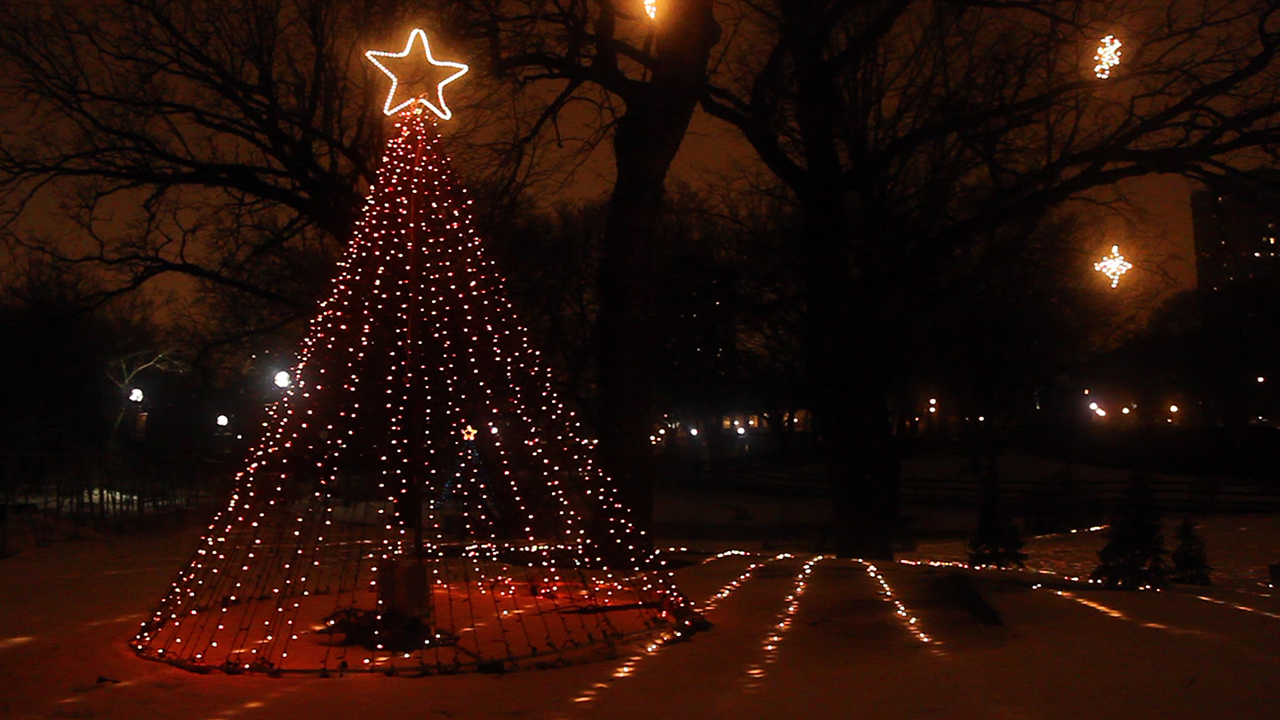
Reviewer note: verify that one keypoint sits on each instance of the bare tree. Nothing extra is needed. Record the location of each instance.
(909, 131)
(230, 143)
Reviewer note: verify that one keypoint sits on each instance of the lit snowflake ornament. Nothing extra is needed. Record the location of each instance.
(1107, 56)
(1114, 266)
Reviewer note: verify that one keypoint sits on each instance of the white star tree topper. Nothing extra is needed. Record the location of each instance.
(439, 107)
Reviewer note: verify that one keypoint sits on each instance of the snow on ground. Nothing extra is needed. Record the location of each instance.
(838, 648)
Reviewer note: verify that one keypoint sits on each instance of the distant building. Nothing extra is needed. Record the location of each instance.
(1237, 232)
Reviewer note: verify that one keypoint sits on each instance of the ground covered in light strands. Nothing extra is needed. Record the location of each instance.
(794, 637)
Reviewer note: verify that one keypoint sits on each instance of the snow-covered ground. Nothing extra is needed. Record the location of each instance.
(829, 644)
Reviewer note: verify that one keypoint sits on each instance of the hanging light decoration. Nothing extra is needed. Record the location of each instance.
(1114, 266)
(1107, 56)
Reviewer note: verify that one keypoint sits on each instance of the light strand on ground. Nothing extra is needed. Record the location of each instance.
(1243, 608)
(781, 624)
(911, 622)
(737, 582)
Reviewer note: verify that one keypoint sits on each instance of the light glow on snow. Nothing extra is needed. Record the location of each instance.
(1244, 608)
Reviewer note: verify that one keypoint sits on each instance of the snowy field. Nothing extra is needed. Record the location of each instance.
(830, 644)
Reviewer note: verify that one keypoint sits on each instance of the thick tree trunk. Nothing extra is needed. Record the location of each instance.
(645, 142)
(848, 390)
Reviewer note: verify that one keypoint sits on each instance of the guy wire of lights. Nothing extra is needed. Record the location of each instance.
(736, 583)
(911, 621)
(1114, 266)
(631, 665)
(1106, 57)
(782, 624)
(372, 527)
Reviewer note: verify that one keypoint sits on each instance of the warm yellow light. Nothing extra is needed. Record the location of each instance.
(651, 9)
(469, 434)
(1107, 56)
(1124, 410)
(1113, 266)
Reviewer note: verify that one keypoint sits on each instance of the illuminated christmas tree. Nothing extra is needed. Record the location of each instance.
(421, 501)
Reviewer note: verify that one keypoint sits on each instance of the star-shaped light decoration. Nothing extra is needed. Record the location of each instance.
(1107, 56)
(437, 106)
(1113, 265)
(469, 434)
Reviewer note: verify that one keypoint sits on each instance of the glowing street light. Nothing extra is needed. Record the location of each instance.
(135, 395)
(283, 379)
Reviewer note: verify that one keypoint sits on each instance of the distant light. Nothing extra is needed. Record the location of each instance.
(742, 431)
(283, 379)
(1124, 410)
(1261, 379)
(933, 401)
(1093, 406)
(662, 431)
(1101, 412)
(933, 409)
(1173, 408)
(223, 421)
(136, 395)
(693, 431)
(1086, 391)
(982, 418)
(493, 431)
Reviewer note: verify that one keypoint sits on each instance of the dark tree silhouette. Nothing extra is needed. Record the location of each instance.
(1190, 561)
(1134, 557)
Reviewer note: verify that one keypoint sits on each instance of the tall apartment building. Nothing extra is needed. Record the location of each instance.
(1237, 233)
